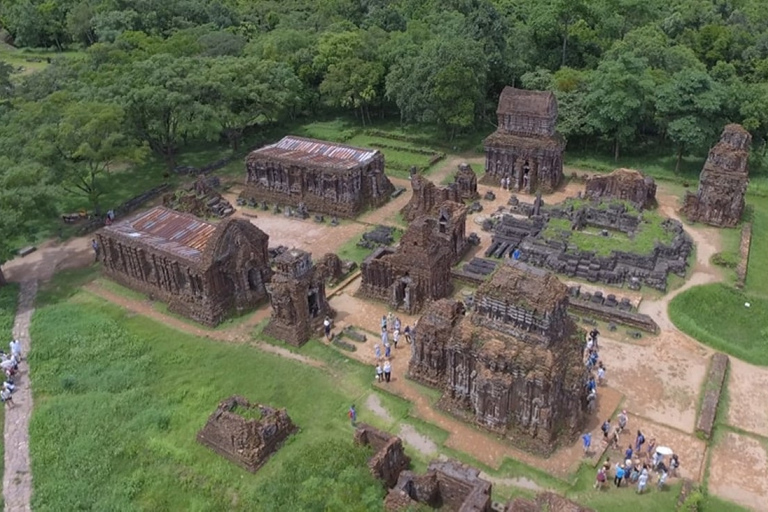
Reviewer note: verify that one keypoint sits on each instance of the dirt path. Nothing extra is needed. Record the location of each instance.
(17, 479)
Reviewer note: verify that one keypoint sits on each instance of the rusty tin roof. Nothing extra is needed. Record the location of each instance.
(167, 230)
(316, 153)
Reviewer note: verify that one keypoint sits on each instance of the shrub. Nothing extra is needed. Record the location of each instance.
(726, 259)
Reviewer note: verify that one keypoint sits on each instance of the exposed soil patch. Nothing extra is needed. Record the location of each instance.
(373, 403)
(739, 471)
(748, 386)
(419, 442)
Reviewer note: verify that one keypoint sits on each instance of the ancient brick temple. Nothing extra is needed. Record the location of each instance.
(297, 295)
(525, 147)
(513, 364)
(389, 457)
(246, 434)
(623, 184)
(414, 273)
(465, 180)
(427, 196)
(326, 177)
(204, 271)
(723, 181)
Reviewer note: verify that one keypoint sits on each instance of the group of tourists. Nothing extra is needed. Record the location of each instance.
(9, 363)
(389, 324)
(594, 366)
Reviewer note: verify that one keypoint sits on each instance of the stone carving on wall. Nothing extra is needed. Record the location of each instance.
(204, 271)
(246, 434)
(623, 184)
(297, 295)
(513, 364)
(525, 148)
(719, 200)
(326, 177)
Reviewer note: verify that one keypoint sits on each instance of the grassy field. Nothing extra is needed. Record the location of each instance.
(590, 239)
(28, 61)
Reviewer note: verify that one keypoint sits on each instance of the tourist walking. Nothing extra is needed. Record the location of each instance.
(407, 333)
(95, 247)
(15, 346)
(387, 350)
(384, 336)
(628, 453)
(674, 464)
(651, 447)
(327, 327)
(5, 396)
(390, 321)
(352, 415)
(398, 324)
(622, 420)
(600, 374)
(600, 478)
(586, 441)
(642, 480)
(387, 371)
(384, 322)
(662, 480)
(639, 441)
(395, 337)
(606, 428)
(379, 372)
(377, 351)
(619, 474)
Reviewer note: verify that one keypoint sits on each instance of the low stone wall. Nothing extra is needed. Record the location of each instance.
(746, 241)
(713, 387)
(636, 320)
(390, 458)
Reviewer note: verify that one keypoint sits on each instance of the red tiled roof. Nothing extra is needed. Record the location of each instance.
(316, 153)
(177, 233)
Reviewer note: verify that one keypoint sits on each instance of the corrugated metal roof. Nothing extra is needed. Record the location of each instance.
(164, 229)
(317, 153)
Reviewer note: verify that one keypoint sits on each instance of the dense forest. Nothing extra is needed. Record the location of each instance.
(150, 76)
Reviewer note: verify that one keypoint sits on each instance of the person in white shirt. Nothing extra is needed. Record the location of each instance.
(16, 349)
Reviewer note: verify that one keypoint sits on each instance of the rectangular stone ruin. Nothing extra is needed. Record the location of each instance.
(414, 273)
(427, 197)
(389, 458)
(245, 433)
(297, 295)
(512, 364)
(200, 199)
(203, 271)
(328, 178)
(525, 147)
(447, 485)
(623, 184)
(723, 181)
(718, 367)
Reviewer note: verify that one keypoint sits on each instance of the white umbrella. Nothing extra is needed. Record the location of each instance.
(664, 450)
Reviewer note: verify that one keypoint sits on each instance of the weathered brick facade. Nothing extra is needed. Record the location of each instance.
(623, 184)
(525, 147)
(246, 434)
(326, 177)
(203, 271)
(297, 295)
(389, 457)
(513, 365)
(418, 270)
(723, 181)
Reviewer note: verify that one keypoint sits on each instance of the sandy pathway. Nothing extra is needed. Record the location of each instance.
(17, 479)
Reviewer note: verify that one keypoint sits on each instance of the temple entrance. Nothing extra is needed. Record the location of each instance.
(443, 223)
(526, 181)
(313, 303)
(255, 283)
(402, 293)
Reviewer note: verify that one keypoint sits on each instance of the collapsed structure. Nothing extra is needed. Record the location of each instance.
(297, 295)
(447, 484)
(525, 147)
(513, 364)
(419, 269)
(203, 271)
(326, 177)
(723, 182)
(246, 434)
(623, 184)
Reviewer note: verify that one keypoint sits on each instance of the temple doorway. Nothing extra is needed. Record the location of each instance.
(313, 303)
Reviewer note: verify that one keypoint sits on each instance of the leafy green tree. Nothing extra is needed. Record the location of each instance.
(619, 98)
(689, 106)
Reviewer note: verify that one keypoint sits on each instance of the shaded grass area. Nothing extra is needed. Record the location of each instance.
(119, 400)
(26, 61)
(757, 270)
(716, 315)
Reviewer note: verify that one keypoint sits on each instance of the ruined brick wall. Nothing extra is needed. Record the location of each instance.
(340, 192)
(718, 367)
(426, 196)
(230, 275)
(448, 485)
(329, 268)
(719, 200)
(389, 459)
(466, 181)
(246, 442)
(298, 299)
(623, 184)
(415, 273)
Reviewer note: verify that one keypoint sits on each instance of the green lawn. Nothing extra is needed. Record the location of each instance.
(590, 239)
(757, 271)
(715, 314)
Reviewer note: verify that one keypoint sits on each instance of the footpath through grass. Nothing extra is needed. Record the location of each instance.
(9, 298)
(119, 400)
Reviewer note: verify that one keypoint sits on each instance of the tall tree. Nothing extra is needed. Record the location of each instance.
(618, 98)
(689, 106)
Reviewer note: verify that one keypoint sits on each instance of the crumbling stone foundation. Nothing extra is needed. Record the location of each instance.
(297, 295)
(723, 181)
(246, 434)
(389, 459)
(623, 184)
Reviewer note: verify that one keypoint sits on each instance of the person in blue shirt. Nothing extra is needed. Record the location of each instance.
(586, 440)
(628, 453)
(619, 475)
